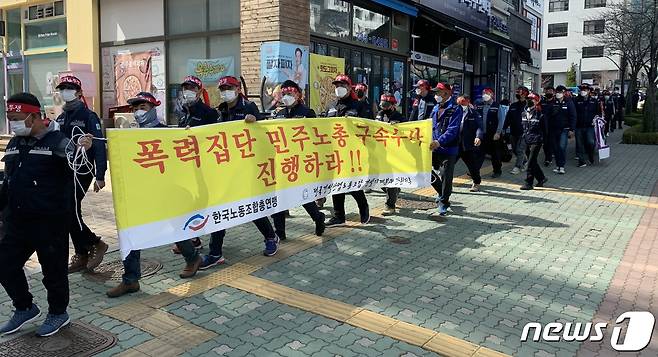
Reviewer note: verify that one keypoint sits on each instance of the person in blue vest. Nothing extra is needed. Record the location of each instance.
(236, 107)
(293, 107)
(144, 106)
(561, 127)
(514, 122)
(424, 103)
(75, 119)
(587, 107)
(471, 134)
(347, 104)
(488, 108)
(446, 123)
(37, 200)
(389, 114)
(533, 134)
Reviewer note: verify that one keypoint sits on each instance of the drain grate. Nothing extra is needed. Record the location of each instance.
(399, 240)
(79, 340)
(415, 204)
(113, 270)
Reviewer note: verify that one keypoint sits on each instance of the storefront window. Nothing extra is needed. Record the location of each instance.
(454, 78)
(14, 43)
(41, 72)
(224, 14)
(371, 28)
(452, 51)
(45, 34)
(187, 16)
(330, 18)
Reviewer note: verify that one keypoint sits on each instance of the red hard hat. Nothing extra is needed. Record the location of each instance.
(72, 80)
(142, 97)
(361, 86)
(442, 86)
(423, 83)
(342, 79)
(388, 98)
(488, 90)
(228, 81)
(534, 96)
(193, 81)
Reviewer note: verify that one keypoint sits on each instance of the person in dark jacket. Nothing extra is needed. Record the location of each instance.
(533, 133)
(424, 102)
(514, 122)
(561, 127)
(587, 108)
(471, 134)
(389, 114)
(548, 103)
(37, 200)
(236, 107)
(293, 107)
(77, 119)
(144, 106)
(493, 122)
(609, 107)
(347, 105)
(361, 90)
(620, 105)
(446, 123)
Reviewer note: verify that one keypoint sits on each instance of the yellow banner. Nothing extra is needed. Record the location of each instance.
(324, 70)
(172, 184)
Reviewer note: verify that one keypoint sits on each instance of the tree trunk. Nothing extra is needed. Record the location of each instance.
(632, 85)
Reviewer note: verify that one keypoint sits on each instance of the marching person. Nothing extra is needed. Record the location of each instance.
(533, 133)
(446, 123)
(514, 122)
(424, 103)
(561, 128)
(294, 108)
(37, 200)
(471, 134)
(361, 90)
(609, 111)
(143, 106)
(620, 102)
(389, 114)
(587, 108)
(76, 118)
(235, 107)
(347, 105)
(493, 122)
(548, 103)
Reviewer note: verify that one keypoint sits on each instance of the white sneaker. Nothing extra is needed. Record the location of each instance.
(475, 188)
(556, 170)
(515, 171)
(562, 172)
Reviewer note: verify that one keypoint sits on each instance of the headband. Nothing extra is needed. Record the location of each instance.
(22, 108)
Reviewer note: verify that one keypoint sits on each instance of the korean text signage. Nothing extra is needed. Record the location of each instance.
(498, 25)
(174, 184)
(281, 61)
(473, 12)
(132, 72)
(324, 70)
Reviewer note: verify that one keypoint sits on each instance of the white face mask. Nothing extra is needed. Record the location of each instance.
(438, 98)
(288, 100)
(559, 95)
(341, 92)
(189, 96)
(486, 97)
(19, 128)
(584, 93)
(465, 108)
(68, 95)
(418, 91)
(229, 95)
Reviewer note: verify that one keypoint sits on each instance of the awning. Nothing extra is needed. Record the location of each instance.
(480, 37)
(400, 6)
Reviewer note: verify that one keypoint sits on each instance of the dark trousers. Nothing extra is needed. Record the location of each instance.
(339, 203)
(585, 144)
(549, 154)
(217, 238)
(279, 218)
(495, 149)
(49, 238)
(392, 194)
(534, 169)
(518, 147)
(472, 160)
(132, 268)
(558, 141)
(618, 120)
(83, 239)
(442, 181)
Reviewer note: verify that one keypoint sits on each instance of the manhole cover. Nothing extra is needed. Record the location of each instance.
(399, 240)
(79, 339)
(113, 270)
(415, 204)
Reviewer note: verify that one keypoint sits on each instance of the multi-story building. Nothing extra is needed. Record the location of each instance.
(569, 39)
(533, 10)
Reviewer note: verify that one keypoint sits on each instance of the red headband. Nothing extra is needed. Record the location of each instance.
(286, 90)
(22, 108)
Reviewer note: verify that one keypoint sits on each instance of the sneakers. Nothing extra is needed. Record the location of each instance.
(526, 187)
(78, 263)
(196, 242)
(191, 268)
(496, 174)
(319, 225)
(365, 216)
(335, 221)
(53, 324)
(515, 171)
(19, 319)
(271, 246)
(541, 183)
(210, 261)
(562, 172)
(556, 170)
(96, 255)
(389, 211)
(582, 164)
(475, 188)
(123, 289)
(443, 210)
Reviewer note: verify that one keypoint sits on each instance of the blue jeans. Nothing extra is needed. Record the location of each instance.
(559, 140)
(585, 144)
(132, 268)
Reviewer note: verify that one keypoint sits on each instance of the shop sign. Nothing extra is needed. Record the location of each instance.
(472, 12)
(281, 61)
(376, 41)
(422, 57)
(498, 25)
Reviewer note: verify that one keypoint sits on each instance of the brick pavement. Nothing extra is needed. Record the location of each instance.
(502, 259)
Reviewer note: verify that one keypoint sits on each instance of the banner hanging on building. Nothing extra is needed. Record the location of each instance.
(132, 73)
(175, 184)
(279, 62)
(324, 70)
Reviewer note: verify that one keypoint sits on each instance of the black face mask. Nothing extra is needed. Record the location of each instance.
(518, 96)
(360, 94)
(549, 95)
(386, 106)
(530, 104)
